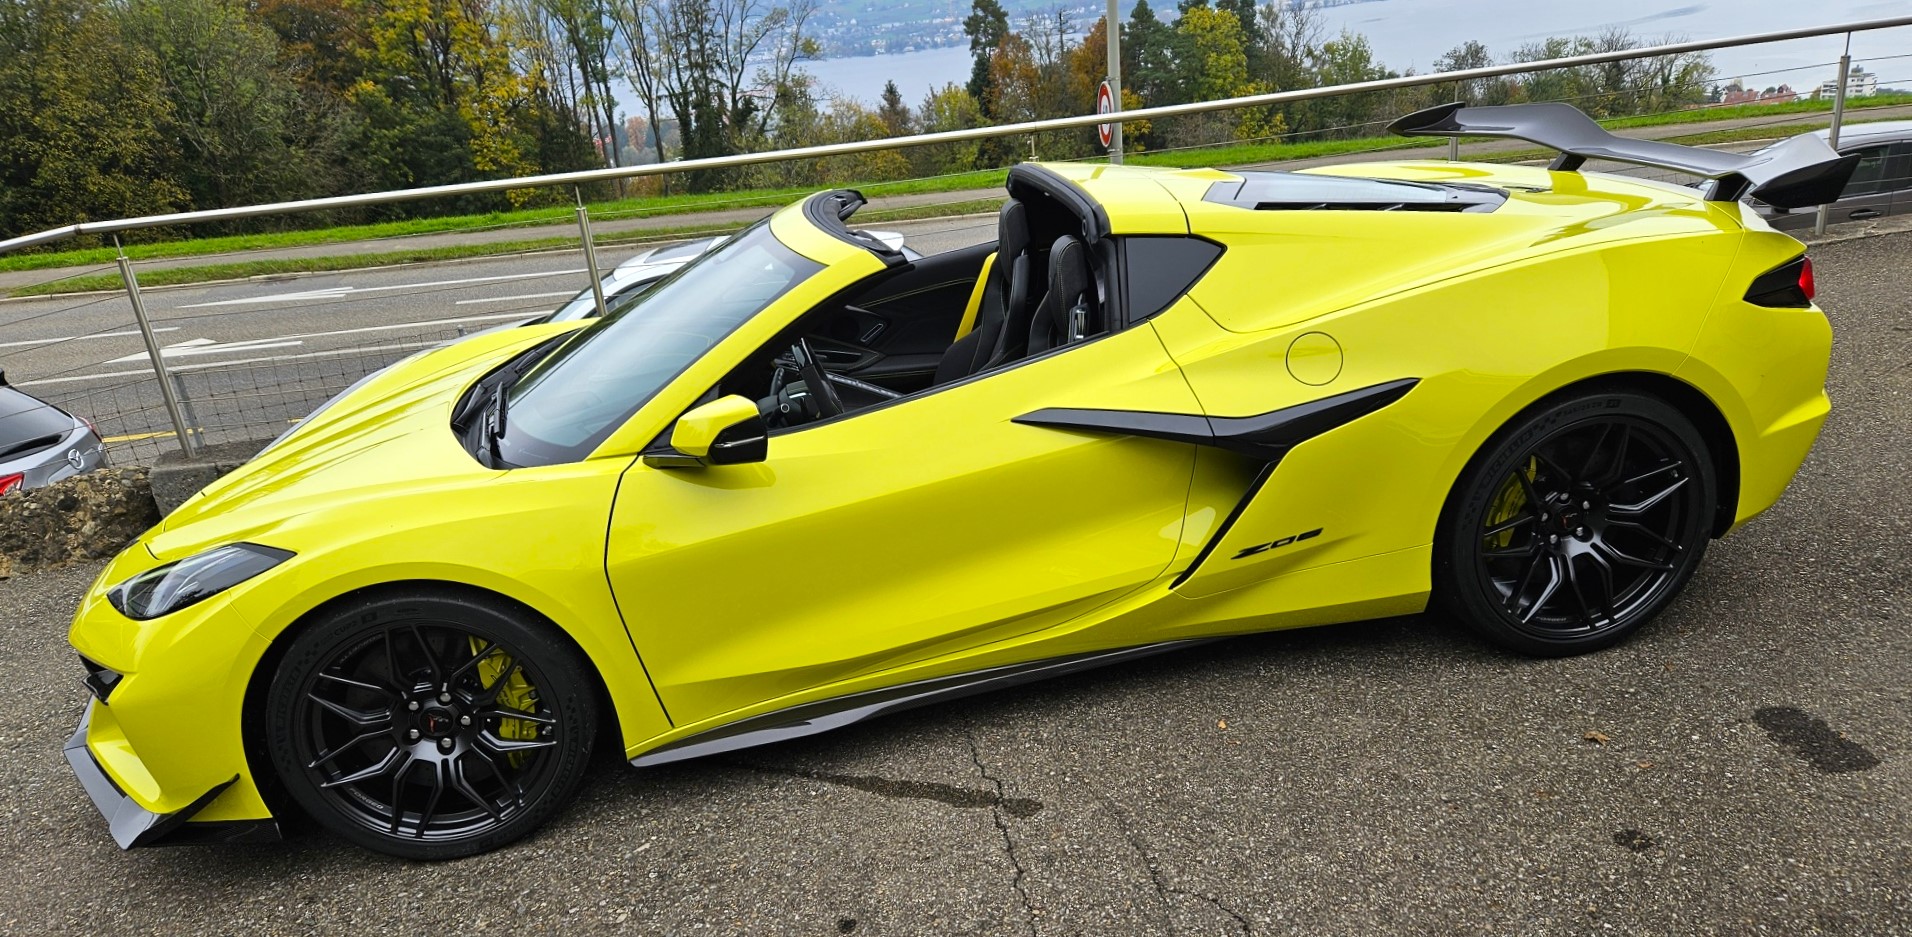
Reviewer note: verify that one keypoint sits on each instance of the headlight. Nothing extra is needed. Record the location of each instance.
(163, 590)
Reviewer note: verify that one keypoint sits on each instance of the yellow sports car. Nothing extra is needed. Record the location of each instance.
(808, 480)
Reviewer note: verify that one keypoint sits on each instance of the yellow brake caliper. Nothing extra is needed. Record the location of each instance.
(1507, 505)
(516, 695)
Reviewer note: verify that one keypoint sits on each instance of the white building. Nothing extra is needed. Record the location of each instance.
(1859, 83)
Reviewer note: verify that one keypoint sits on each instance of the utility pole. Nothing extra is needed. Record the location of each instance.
(1115, 79)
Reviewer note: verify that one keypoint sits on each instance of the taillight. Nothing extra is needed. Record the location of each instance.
(10, 482)
(1787, 286)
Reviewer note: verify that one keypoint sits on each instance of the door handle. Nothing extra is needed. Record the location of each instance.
(1861, 214)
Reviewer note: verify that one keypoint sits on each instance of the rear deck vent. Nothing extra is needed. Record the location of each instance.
(1294, 191)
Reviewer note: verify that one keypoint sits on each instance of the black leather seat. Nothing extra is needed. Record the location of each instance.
(1068, 311)
(1006, 296)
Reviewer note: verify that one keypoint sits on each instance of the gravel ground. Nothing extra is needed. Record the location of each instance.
(1741, 767)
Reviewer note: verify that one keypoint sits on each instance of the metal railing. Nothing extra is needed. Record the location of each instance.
(184, 432)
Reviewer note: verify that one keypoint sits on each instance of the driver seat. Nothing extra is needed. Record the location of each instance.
(1006, 293)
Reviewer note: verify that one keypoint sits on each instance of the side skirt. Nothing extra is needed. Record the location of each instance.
(824, 715)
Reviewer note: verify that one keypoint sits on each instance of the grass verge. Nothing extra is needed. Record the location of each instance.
(202, 273)
(757, 198)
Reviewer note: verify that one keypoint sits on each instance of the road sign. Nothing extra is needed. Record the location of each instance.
(1105, 104)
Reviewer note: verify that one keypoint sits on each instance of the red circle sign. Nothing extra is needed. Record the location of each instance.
(1105, 104)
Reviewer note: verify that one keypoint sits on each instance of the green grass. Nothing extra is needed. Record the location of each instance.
(1736, 111)
(744, 201)
(203, 273)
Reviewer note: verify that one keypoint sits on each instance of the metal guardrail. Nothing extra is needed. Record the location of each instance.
(947, 136)
(185, 438)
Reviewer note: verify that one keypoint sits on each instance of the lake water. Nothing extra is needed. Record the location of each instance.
(1413, 33)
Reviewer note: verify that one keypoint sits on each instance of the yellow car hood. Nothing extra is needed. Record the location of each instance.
(391, 435)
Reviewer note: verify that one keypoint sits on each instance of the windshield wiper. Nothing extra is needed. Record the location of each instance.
(492, 426)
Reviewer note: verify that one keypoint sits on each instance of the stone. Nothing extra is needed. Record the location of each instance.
(85, 517)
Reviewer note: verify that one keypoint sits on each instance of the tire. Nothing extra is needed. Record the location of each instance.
(430, 726)
(1626, 496)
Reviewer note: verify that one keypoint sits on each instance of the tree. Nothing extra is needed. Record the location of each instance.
(894, 114)
(80, 120)
(246, 131)
(1148, 63)
(948, 108)
(985, 26)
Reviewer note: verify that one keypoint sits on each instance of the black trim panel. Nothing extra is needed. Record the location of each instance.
(1228, 523)
(1040, 178)
(1265, 436)
(814, 718)
(830, 212)
(133, 825)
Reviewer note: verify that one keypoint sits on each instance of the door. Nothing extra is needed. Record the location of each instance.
(900, 533)
(1867, 195)
(1899, 178)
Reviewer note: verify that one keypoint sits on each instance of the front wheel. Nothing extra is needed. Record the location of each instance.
(430, 726)
(1576, 524)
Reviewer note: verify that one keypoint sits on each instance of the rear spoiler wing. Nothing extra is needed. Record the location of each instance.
(1797, 173)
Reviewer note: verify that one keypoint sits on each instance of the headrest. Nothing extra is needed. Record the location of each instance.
(1068, 278)
(1012, 232)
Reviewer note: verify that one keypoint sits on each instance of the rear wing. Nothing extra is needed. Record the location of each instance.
(1800, 172)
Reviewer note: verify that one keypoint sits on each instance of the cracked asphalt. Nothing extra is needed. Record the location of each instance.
(1743, 766)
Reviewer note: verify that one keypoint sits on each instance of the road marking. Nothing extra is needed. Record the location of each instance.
(147, 372)
(506, 299)
(206, 346)
(83, 338)
(135, 437)
(341, 292)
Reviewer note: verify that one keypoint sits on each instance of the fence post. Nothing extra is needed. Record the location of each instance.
(1838, 114)
(186, 407)
(152, 351)
(590, 253)
(1453, 149)
(1114, 35)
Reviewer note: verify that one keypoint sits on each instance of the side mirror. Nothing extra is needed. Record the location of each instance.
(725, 431)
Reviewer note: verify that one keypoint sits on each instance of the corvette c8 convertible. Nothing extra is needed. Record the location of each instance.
(808, 480)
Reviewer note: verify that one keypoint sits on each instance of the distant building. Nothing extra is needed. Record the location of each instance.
(1859, 84)
(1737, 95)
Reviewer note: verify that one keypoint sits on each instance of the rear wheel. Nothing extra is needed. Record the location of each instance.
(1577, 524)
(430, 727)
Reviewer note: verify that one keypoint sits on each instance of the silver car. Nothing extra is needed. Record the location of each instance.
(40, 443)
(1880, 186)
(635, 277)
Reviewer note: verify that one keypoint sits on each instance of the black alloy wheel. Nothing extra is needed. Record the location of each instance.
(430, 727)
(1577, 524)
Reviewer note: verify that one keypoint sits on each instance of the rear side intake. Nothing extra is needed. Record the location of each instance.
(1798, 173)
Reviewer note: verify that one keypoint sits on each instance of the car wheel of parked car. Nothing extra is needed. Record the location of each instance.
(430, 726)
(1576, 524)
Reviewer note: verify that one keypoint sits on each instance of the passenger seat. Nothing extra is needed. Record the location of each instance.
(1005, 298)
(1068, 311)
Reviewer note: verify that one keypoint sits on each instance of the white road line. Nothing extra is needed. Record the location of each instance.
(84, 338)
(341, 292)
(206, 346)
(147, 372)
(506, 299)
(288, 340)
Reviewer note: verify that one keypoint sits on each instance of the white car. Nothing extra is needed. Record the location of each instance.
(635, 277)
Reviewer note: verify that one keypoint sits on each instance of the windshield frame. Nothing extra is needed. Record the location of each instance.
(573, 374)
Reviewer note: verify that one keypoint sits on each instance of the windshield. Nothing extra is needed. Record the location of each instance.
(573, 398)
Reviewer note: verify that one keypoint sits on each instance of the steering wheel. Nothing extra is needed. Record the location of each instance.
(820, 402)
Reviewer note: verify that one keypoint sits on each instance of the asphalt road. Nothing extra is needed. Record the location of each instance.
(1743, 766)
(253, 355)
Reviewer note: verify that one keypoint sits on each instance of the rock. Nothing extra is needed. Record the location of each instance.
(82, 518)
